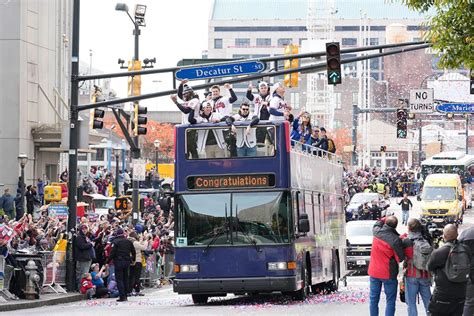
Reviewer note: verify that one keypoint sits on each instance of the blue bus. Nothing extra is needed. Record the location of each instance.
(271, 221)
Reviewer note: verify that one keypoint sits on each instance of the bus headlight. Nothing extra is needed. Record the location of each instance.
(186, 268)
(282, 265)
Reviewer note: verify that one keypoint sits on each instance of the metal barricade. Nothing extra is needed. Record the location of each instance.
(6, 273)
(54, 265)
(151, 271)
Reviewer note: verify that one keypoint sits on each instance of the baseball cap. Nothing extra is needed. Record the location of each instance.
(262, 84)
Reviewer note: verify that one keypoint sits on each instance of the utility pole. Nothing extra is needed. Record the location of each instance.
(467, 133)
(420, 144)
(73, 144)
(136, 151)
(355, 112)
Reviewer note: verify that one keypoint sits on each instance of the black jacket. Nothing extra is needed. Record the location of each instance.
(122, 250)
(82, 248)
(444, 289)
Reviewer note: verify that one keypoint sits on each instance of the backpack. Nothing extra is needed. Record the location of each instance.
(421, 253)
(331, 146)
(458, 263)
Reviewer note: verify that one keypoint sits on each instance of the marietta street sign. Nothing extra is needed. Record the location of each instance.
(456, 108)
(234, 69)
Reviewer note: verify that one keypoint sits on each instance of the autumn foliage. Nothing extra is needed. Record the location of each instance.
(164, 132)
(341, 137)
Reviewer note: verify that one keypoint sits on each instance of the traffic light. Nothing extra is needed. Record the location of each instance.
(291, 80)
(135, 82)
(333, 63)
(383, 149)
(402, 115)
(139, 120)
(96, 114)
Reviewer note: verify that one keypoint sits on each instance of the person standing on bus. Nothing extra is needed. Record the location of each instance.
(261, 100)
(210, 145)
(191, 102)
(387, 252)
(279, 109)
(246, 138)
(302, 129)
(221, 104)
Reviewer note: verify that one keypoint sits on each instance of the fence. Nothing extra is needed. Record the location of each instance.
(152, 271)
(54, 270)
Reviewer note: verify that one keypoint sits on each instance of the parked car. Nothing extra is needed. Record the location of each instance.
(355, 204)
(359, 237)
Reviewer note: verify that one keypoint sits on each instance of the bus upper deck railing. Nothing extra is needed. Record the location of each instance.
(315, 151)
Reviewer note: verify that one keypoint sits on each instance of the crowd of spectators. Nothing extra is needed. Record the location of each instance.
(392, 182)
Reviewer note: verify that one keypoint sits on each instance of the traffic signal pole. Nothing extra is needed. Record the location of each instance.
(73, 145)
(136, 150)
(355, 123)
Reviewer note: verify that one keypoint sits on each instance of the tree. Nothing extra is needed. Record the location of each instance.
(450, 29)
(164, 132)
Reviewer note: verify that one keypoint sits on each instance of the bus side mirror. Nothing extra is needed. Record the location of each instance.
(303, 223)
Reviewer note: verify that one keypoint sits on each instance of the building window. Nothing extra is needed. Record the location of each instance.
(377, 28)
(355, 97)
(284, 41)
(374, 63)
(242, 42)
(374, 41)
(301, 41)
(349, 41)
(338, 100)
(375, 75)
(295, 100)
(338, 28)
(218, 43)
(260, 29)
(264, 42)
(337, 124)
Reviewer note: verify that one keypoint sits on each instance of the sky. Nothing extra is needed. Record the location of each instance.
(174, 30)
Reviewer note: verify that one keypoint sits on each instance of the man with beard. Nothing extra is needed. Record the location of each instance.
(245, 137)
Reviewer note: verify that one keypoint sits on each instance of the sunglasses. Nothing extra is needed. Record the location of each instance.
(244, 109)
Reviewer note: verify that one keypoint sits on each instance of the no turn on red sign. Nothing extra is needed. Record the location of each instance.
(421, 101)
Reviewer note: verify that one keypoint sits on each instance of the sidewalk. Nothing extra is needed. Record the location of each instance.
(45, 300)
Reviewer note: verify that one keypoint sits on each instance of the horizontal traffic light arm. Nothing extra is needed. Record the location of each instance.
(125, 132)
(310, 68)
(264, 59)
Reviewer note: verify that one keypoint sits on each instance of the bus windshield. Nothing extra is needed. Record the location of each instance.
(234, 218)
(439, 193)
(223, 142)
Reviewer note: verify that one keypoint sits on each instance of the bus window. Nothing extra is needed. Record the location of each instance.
(224, 142)
(234, 218)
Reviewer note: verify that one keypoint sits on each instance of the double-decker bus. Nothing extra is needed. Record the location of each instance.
(270, 222)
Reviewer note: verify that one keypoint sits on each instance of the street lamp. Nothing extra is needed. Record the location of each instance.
(139, 20)
(22, 159)
(157, 144)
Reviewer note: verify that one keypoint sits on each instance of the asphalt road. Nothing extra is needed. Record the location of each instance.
(352, 300)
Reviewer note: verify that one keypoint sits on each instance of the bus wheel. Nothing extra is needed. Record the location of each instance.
(199, 298)
(303, 293)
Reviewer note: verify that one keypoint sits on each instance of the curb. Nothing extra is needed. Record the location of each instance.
(24, 304)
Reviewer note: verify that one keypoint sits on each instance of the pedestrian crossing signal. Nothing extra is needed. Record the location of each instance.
(121, 204)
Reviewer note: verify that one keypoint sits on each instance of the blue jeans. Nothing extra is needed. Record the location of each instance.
(390, 288)
(245, 151)
(405, 217)
(413, 286)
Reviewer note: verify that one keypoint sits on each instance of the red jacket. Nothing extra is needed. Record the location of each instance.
(387, 252)
(85, 285)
